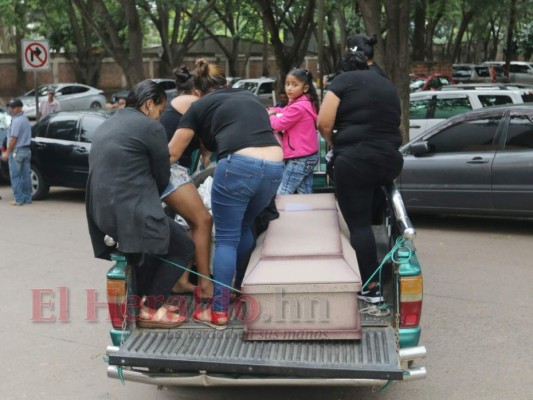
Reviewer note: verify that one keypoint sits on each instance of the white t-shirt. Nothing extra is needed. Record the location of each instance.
(46, 108)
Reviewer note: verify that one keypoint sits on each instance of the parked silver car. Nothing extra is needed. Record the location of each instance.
(479, 162)
(71, 96)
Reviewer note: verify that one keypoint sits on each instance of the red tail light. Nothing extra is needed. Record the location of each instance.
(410, 301)
(116, 301)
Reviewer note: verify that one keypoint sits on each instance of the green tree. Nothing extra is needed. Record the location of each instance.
(119, 27)
(14, 20)
(237, 20)
(74, 36)
(290, 25)
(179, 24)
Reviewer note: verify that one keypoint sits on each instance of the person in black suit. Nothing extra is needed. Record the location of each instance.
(128, 171)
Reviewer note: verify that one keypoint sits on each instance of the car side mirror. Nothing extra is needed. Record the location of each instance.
(418, 148)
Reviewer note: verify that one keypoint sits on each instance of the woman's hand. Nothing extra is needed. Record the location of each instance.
(272, 111)
(181, 139)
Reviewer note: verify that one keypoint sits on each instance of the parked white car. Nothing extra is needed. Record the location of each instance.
(71, 97)
(261, 87)
(427, 109)
(519, 71)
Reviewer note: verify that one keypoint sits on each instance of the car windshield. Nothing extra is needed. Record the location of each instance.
(251, 86)
(461, 72)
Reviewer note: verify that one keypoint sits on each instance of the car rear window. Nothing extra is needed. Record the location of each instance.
(494, 100)
(461, 72)
(527, 97)
(63, 129)
(483, 72)
(89, 124)
(251, 86)
(519, 133)
(266, 87)
(519, 68)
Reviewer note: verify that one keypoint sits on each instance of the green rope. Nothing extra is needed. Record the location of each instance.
(197, 273)
(119, 370)
(121, 375)
(384, 387)
(399, 245)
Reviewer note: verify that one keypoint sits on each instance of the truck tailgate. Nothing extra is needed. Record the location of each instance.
(194, 349)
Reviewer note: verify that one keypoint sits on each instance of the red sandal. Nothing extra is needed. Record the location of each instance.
(217, 319)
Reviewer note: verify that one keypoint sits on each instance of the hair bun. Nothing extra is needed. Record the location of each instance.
(372, 40)
(181, 74)
(202, 67)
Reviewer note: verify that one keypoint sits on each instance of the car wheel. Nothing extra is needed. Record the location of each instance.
(39, 188)
(95, 105)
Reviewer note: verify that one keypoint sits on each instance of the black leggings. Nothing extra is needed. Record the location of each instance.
(155, 278)
(360, 172)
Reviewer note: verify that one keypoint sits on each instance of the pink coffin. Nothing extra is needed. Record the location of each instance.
(302, 278)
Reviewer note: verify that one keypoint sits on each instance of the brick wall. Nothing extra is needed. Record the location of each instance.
(428, 68)
(111, 78)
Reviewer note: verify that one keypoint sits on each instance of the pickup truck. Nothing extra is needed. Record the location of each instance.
(372, 348)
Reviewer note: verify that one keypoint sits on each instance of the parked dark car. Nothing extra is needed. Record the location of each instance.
(60, 148)
(479, 162)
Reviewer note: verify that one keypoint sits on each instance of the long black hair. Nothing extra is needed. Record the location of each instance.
(144, 91)
(305, 76)
(354, 59)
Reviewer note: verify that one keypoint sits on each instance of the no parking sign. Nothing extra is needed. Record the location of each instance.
(35, 55)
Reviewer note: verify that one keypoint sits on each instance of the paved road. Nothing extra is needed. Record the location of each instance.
(477, 318)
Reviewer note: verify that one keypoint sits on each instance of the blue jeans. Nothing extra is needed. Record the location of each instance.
(298, 175)
(20, 172)
(242, 187)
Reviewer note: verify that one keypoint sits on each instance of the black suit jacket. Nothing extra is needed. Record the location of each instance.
(128, 170)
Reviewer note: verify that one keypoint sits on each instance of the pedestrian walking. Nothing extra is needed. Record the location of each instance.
(50, 105)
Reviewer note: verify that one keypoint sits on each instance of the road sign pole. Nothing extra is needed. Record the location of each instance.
(36, 95)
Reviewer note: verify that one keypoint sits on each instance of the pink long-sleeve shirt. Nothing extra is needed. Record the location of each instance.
(297, 120)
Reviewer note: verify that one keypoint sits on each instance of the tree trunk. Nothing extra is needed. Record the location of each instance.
(467, 17)
(419, 34)
(371, 11)
(510, 54)
(432, 26)
(397, 50)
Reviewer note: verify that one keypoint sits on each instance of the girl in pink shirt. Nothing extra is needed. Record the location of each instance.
(297, 122)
